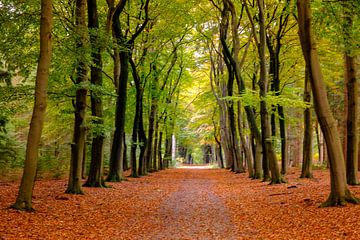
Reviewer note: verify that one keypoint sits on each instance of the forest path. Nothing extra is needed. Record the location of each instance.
(194, 211)
(181, 204)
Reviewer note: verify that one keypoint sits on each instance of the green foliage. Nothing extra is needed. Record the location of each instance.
(11, 153)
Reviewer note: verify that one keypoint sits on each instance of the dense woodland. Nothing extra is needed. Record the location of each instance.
(255, 87)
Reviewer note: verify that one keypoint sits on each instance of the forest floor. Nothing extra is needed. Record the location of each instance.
(182, 204)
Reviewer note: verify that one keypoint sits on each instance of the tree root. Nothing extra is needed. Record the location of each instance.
(307, 175)
(23, 206)
(334, 200)
(277, 181)
(114, 178)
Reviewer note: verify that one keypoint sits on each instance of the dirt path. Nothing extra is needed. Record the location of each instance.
(194, 211)
(182, 204)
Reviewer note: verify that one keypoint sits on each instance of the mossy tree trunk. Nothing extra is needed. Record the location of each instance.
(24, 197)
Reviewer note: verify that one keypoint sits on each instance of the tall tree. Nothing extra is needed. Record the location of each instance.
(95, 178)
(126, 43)
(274, 39)
(339, 194)
(24, 198)
(78, 145)
(263, 85)
(308, 132)
(352, 89)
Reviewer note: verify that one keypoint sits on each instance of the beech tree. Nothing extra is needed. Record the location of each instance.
(24, 198)
(308, 132)
(340, 194)
(126, 42)
(78, 145)
(352, 89)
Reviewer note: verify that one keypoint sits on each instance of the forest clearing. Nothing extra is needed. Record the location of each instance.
(183, 204)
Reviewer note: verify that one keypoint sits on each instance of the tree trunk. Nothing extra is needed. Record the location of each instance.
(158, 151)
(340, 194)
(284, 153)
(248, 153)
(155, 146)
(167, 155)
(306, 171)
(116, 157)
(125, 158)
(153, 111)
(263, 84)
(95, 178)
(79, 136)
(352, 132)
(224, 133)
(352, 122)
(134, 141)
(24, 198)
(83, 167)
(142, 140)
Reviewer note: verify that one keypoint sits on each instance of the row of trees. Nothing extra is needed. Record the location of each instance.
(239, 27)
(156, 65)
(144, 66)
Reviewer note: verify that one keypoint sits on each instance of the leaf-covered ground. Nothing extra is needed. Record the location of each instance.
(182, 204)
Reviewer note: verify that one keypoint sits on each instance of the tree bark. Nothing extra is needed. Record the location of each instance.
(116, 156)
(340, 194)
(79, 136)
(152, 120)
(352, 131)
(248, 153)
(24, 198)
(263, 85)
(95, 178)
(306, 171)
(158, 152)
(154, 158)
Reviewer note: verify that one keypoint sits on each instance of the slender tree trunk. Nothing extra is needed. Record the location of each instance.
(139, 121)
(83, 167)
(352, 131)
(155, 146)
(125, 158)
(143, 141)
(153, 111)
(224, 133)
(340, 194)
(134, 142)
(161, 163)
(95, 178)
(283, 136)
(116, 157)
(238, 164)
(352, 122)
(24, 198)
(263, 83)
(248, 153)
(79, 136)
(306, 171)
